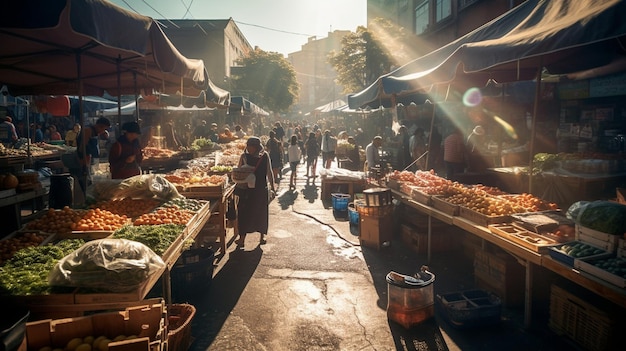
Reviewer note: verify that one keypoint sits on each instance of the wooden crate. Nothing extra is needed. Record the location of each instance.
(525, 238)
(417, 240)
(421, 197)
(144, 320)
(442, 205)
(501, 274)
(480, 218)
(574, 316)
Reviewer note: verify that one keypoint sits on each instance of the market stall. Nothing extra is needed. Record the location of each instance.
(529, 229)
(145, 210)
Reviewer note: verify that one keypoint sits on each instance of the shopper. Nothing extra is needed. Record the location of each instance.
(453, 154)
(253, 211)
(275, 149)
(54, 133)
(125, 155)
(88, 149)
(294, 154)
(372, 153)
(71, 135)
(329, 146)
(312, 148)
(8, 134)
(417, 145)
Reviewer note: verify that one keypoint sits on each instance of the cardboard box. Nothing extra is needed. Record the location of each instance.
(144, 321)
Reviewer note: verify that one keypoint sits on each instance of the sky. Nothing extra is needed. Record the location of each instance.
(273, 25)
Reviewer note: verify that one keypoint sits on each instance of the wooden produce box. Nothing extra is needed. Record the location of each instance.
(559, 252)
(500, 274)
(375, 231)
(145, 321)
(523, 237)
(203, 191)
(480, 218)
(418, 241)
(418, 195)
(442, 205)
(595, 267)
(596, 238)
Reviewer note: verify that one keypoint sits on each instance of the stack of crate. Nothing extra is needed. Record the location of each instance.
(501, 274)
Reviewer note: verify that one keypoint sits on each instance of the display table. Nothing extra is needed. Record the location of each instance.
(13, 206)
(528, 258)
(218, 216)
(333, 185)
(78, 302)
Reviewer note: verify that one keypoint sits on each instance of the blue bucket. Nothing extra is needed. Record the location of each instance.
(340, 202)
(353, 214)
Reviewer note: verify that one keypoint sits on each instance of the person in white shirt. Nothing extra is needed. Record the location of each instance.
(372, 154)
(294, 154)
(239, 133)
(329, 145)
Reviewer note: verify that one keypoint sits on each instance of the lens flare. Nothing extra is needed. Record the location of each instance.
(508, 129)
(472, 97)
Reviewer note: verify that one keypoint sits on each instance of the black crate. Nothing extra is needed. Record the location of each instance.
(470, 308)
(192, 274)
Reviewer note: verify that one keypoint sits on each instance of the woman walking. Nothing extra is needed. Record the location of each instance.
(293, 151)
(312, 148)
(253, 212)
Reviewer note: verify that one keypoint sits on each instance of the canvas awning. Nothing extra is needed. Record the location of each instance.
(49, 46)
(331, 106)
(561, 35)
(240, 103)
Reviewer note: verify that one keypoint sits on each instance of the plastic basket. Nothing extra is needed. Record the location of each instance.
(340, 201)
(470, 308)
(179, 318)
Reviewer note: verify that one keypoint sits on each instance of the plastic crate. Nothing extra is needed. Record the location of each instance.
(340, 202)
(193, 273)
(470, 308)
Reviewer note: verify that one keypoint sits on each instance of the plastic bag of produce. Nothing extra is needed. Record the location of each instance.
(116, 265)
(144, 186)
(604, 216)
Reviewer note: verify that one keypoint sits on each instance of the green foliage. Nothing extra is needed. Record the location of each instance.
(268, 80)
(201, 144)
(368, 54)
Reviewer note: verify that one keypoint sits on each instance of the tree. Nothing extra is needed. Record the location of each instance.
(268, 78)
(368, 54)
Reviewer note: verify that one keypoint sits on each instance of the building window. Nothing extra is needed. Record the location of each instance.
(421, 17)
(443, 9)
(465, 3)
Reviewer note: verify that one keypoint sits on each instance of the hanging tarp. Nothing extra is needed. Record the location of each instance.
(562, 35)
(331, 106)
(45, 43)
(245, 106)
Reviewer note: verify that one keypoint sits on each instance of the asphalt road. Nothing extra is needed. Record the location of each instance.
(313, 287)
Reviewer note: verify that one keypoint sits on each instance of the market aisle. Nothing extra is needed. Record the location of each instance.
(312, 287)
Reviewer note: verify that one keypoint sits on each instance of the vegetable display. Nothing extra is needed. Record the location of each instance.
(157, 237)
(27, 272)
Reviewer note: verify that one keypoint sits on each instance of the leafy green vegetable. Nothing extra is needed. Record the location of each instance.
(604, 216)
(157, 237)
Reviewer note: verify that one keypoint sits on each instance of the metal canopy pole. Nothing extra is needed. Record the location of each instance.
(532, 127)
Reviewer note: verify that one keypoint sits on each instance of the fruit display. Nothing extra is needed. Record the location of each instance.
(9, 246)
(153, 152)
(189, 177)
(184, 203)
(613, 265)
(579, 249)
(66, 220)
(165, 215)
(128, 207)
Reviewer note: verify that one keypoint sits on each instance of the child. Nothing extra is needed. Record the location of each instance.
(293, 151)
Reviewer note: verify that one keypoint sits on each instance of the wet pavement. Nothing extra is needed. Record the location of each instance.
(313, 287)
